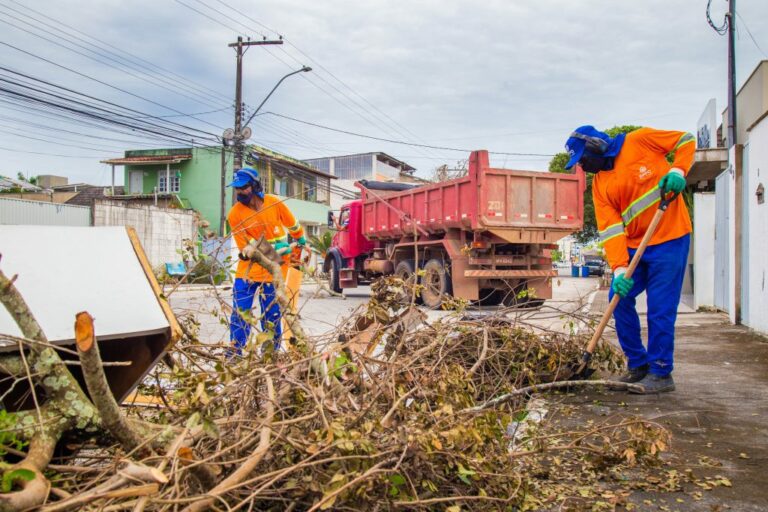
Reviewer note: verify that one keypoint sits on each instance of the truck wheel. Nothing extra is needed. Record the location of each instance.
(405, 270)
(333, 275)
(436, 283)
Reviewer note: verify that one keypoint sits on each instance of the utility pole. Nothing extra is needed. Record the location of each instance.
(731, 17)
(735, 155)
(240, 48)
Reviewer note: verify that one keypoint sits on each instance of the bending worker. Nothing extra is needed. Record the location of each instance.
(253, 215)
(628, 172)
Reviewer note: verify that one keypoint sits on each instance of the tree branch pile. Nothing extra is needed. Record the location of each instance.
(406, 420)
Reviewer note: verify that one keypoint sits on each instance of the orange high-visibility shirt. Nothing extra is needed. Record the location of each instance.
(626, 198)
(272, 221)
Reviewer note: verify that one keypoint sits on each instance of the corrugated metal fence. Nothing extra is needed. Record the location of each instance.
(20, 211)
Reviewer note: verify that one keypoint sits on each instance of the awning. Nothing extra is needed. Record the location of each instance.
(148, 160)
(708, 165)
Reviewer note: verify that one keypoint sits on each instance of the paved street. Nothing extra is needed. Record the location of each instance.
(320, 313)
(716, 415)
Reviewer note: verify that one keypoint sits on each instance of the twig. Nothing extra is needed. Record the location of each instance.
(619, 386)
(250, 464)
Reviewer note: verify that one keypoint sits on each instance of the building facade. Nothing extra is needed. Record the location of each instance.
(363, 166)
(738, 211)
(191, 178)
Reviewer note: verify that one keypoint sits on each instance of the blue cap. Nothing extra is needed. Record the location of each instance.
(243, 177)
(575, 146)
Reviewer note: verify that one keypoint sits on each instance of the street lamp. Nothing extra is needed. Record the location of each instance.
(304, 69)
(235, 137)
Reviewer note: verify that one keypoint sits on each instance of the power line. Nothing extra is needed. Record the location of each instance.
(138, 60)
(158, 81)
(326, 70)
(53, 154)
(99, 116)
(50, 113)
(750, 35)
(79, 94)
(722, 29)
(406, 143)
(97, 81)
(311, 81)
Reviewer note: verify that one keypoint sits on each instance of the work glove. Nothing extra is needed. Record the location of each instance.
(673, 181)
(301, 241)
(622, 285)
(282, 248)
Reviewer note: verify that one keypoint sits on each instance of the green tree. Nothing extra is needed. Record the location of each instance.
(589, 232)
(32, 179)
(321, 244)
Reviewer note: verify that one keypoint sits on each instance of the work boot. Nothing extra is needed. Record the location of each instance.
(633, 375)
(655, 384)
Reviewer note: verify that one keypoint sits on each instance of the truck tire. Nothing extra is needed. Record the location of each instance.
(436, 283)
(406, 270)
(333, 274)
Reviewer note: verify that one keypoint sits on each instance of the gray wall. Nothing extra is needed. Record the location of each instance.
(161, 230)
(23, 212)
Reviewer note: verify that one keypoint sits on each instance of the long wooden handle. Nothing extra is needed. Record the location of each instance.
(630, 270)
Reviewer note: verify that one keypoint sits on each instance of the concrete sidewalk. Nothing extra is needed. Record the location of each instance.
(717, 415)
(600, 304)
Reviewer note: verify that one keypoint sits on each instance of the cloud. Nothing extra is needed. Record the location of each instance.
(502, 75)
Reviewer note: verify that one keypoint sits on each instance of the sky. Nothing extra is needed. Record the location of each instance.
(511, 76)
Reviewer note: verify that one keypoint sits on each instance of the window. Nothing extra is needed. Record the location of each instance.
(162, 186)
(353, 167)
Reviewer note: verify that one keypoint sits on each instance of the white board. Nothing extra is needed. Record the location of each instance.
(64, 270)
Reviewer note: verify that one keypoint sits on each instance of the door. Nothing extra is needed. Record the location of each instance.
(136, 182)
(723, 205)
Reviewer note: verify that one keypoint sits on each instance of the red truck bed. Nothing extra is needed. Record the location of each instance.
(518, 206)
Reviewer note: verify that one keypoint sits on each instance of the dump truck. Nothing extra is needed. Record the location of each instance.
(485, 237)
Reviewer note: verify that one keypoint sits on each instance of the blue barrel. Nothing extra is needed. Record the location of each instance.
(585, 271)
(574, 271)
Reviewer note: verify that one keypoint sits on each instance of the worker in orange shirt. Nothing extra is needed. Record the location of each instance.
(630, 173)
(253, 215)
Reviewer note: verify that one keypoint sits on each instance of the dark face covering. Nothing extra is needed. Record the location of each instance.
(244, 198)
(593, 163)
(244, 195)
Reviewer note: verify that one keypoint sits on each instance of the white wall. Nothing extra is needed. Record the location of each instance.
(725, 244)
(338, 199)
(755, 304)
(161, 230)
(704, 250)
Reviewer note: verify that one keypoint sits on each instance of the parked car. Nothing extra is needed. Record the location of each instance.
(596, 267)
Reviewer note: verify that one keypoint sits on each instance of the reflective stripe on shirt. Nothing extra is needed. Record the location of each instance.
(685, 139)
(611, 231)
(640, 205)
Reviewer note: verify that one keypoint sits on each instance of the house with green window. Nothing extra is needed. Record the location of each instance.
(191, 178)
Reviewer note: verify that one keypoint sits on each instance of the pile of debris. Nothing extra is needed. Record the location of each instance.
(389, 412)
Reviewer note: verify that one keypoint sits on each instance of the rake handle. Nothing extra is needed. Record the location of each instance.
(628, 274)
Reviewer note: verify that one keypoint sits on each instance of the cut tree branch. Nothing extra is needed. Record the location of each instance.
(98, 388)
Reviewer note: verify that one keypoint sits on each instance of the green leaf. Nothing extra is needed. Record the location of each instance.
(9, 477)
(193, 420)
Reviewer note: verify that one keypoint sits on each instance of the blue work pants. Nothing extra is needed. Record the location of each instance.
(660, 274)
(243, 293)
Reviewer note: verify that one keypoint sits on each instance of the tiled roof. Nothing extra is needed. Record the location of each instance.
(86, 196)
(148, 159)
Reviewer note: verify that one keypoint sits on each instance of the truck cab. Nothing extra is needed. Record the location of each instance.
(349, 248)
